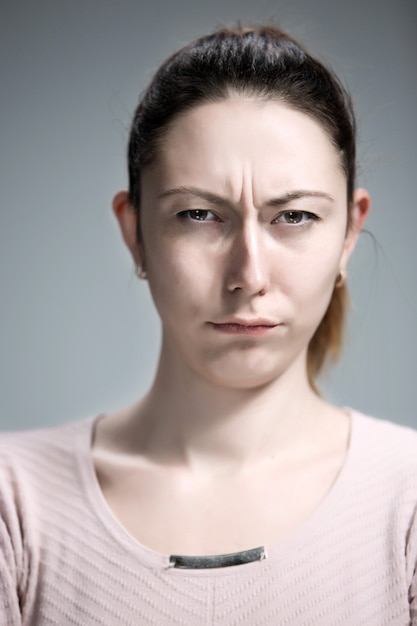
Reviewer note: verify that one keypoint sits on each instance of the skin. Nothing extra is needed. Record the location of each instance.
(244, 231)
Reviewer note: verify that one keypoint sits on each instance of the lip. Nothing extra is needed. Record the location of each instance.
(241, 321)
(239, 326)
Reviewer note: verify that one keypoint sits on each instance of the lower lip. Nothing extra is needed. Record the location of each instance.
(238, 329)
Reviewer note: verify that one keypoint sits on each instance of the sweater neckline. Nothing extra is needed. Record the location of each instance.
(302, 535)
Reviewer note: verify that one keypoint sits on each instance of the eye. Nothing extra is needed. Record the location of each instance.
(199, 215)
(295, 217)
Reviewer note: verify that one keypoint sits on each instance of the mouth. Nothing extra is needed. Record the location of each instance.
(251, 327)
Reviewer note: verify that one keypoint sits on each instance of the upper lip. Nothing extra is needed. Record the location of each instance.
(258, 321)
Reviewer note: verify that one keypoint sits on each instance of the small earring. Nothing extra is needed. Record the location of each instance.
(341, 278)
(140, 272)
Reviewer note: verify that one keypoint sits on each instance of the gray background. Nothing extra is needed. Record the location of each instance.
(78, 333)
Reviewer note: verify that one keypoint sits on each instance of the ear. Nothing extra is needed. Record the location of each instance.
(359, 212)
(128, 222)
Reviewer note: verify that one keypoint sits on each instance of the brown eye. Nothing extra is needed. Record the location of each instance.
(293, 217)
(198, 214)
(296, 218)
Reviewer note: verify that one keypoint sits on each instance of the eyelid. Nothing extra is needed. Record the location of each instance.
(312, 216)
(185, 214)
(211, 216)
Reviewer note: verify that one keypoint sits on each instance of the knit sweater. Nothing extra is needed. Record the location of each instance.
(66, 560)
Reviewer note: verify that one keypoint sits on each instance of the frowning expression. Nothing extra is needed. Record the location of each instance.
(243, 221)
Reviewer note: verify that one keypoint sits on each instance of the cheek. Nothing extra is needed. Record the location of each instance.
(179, 279)
(306, 277)
(313, 262)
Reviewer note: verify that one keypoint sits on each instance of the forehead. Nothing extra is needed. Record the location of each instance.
(237, 143)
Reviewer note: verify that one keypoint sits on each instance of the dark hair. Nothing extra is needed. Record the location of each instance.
(261, 62)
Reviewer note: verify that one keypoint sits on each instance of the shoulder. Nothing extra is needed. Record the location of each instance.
(383, 463)
(36, 466)
(383, 438)
(20, 443)
(39, 448)
(42, 477)
(34, 461)
(44, 509)
(384, 442)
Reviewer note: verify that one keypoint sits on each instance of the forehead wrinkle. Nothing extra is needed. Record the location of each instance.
(247, 185)
(282, 200)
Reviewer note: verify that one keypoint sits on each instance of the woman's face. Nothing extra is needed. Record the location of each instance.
(243, 221)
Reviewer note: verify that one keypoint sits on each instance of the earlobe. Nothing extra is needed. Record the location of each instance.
(127, 218)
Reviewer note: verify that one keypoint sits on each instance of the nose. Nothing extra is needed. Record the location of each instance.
(248, 261)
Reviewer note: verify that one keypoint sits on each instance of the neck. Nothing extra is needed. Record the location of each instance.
(189, 421)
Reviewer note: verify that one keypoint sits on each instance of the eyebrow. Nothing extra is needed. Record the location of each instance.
(286, 198)
(282, 200)
(194, 191)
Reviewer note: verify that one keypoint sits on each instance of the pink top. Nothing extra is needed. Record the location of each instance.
(66, 560)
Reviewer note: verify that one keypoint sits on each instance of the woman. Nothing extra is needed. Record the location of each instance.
(232, 493)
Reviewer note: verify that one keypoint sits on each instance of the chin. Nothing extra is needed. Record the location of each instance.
(239, 378)
(252, 371)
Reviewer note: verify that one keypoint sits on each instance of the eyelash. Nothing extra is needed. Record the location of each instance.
(186, 215)
(311, 217)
